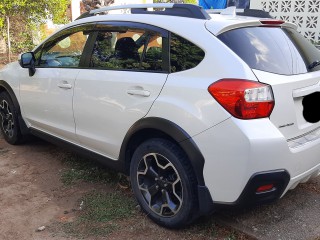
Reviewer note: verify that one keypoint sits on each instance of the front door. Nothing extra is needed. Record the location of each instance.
(46, 97)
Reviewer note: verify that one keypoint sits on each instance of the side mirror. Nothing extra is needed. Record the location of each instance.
(27, 60)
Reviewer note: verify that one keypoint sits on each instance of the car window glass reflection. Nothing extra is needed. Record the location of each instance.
(134, 49)
(65, 52)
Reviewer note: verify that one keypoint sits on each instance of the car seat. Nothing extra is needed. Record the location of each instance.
(126, 48)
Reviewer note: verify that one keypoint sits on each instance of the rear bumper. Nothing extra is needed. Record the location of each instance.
(304, 177)
(249, 196)
(239, 152)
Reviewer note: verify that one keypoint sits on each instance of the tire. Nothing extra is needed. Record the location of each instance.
(163, 182)
(9, 124)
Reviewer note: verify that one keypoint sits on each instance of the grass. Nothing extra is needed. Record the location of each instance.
(82, 169)
(106, 207)
(100, 214)
(113, 211)
(100, 211)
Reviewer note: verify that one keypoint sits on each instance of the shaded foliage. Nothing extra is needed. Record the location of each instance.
(33, 11)
(25, 16)
(184, 54)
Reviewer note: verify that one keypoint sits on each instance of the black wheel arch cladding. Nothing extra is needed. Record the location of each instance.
(4, 86)
(174, 132)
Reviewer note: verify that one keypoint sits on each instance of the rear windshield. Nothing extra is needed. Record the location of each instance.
(276, 50)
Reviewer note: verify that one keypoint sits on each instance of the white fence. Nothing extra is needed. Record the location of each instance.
(304, 13)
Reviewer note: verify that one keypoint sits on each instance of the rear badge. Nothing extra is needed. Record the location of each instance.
(286, 125)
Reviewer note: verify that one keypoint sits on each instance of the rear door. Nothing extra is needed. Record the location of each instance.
(125, 73)
(288, 62)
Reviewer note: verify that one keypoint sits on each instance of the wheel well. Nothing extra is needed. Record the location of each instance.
(138, 138)
(5, 87)
(142, 136)
(2, 89)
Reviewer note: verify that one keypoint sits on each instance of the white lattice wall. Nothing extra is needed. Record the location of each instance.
(306, 14)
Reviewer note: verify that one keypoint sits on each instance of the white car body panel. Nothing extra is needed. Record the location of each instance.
(104, 110)
(287, 113)
(222, 23)
(185, 99)
(11, 74)
(254, 146)
(46, 104)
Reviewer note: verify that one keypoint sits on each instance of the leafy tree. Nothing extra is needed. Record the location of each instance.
(23, 15)
(184, 54)
(33, 11)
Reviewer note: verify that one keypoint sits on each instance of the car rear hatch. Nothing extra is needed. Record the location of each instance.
(283, 58)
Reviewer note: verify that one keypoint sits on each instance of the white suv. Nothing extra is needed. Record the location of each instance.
(200, 109)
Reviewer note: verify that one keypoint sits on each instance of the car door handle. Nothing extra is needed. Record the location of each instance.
(138, 92)
(65, 85)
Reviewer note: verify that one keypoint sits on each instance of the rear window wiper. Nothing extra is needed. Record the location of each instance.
(314, 64)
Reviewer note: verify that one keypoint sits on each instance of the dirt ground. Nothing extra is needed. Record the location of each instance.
(31, 194)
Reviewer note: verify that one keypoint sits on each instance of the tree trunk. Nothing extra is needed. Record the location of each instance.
(8, 38)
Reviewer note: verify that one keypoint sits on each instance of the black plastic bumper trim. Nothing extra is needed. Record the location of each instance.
(280, 179)
(206, 205)
(249, 196)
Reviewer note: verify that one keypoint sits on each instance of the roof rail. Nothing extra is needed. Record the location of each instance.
(241, 12)
(171, 9)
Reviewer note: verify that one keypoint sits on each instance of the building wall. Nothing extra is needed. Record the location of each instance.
(75, 9)
(304, 13)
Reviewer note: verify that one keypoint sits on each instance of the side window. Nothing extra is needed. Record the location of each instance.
(64, 51)
(153, 57)
(128, 49)
(184, 55)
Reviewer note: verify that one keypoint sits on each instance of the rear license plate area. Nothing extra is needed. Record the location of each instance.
(311, 107)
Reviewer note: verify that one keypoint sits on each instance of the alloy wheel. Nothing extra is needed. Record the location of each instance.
(7, 119)
(160, 184)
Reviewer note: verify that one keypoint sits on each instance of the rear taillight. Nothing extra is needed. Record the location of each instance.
(243, 99)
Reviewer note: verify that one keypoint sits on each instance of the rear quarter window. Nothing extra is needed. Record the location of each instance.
(184, 54)
(277, 50)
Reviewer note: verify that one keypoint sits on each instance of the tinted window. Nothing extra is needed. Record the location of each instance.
(276, 50)
(129, 49)
(184, 55)
(153, 56)
(63, 51)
